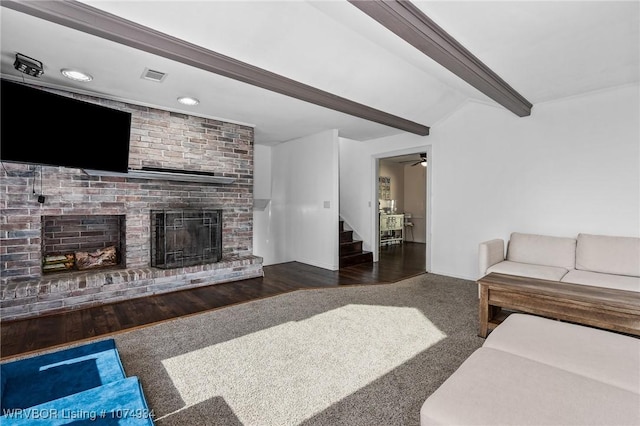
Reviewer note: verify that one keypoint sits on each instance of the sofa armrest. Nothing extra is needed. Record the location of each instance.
(490, 253)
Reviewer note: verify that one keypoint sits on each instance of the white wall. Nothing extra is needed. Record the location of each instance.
(415, 180)
(395, 172)
(263, 240)
(572, 166)
(302, 221)
(356, 196)
(262, 172)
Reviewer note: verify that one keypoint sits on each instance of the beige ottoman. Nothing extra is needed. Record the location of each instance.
(536, 371)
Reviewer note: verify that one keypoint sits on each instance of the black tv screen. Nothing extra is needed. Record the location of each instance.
(40, 127)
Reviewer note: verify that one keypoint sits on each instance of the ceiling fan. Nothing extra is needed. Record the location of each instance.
(423, 160)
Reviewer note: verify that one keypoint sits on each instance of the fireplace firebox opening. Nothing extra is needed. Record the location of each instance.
(185, 237)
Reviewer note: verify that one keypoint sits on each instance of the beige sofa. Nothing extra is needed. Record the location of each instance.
(538, 371)
(596, 260)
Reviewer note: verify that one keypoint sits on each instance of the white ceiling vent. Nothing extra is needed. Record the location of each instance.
(152, 75)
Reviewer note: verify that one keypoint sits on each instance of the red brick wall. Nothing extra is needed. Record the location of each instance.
(158, 138)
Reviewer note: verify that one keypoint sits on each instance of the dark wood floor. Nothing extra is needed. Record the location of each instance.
(18, 337)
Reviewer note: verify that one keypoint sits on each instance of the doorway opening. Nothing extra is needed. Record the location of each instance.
(402, 221)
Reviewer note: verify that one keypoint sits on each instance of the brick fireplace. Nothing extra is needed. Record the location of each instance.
(97, 211)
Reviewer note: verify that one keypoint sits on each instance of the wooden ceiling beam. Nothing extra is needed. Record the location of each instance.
(90, 20)
(409, 23)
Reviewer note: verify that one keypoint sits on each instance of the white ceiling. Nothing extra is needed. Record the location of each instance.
(544, 50)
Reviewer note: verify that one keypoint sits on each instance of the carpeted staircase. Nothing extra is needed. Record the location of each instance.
(80, 385)
(351, 252)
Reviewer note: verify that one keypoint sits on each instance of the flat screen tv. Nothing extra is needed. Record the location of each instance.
(44, 128)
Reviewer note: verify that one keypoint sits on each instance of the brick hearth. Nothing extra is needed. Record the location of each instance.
(158, 139)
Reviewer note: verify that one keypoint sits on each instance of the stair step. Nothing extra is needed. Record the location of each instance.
(356, 259)
(346, 236)
(351, 251)
(350, 247)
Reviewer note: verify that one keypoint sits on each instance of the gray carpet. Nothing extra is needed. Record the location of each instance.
(361, 355)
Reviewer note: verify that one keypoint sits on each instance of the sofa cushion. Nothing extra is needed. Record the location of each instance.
(609, 255)
(542, 272)
(620, 282)
(607, 357)
(542, 250)
(494, 387)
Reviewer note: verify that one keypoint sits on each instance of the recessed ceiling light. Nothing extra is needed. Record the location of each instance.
(76, 75)
(187, 100)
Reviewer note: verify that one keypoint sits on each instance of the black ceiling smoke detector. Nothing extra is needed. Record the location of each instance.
(28, 65)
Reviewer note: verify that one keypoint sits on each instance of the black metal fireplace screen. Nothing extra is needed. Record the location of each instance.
(185, 237)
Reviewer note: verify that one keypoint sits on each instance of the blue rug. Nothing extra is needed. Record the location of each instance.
(42, 378)
(117, 403)
(76, 386)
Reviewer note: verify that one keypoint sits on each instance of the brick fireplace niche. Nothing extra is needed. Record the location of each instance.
(63, 237)
(85, 212)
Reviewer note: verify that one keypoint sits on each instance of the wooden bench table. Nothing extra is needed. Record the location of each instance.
(606, 308)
